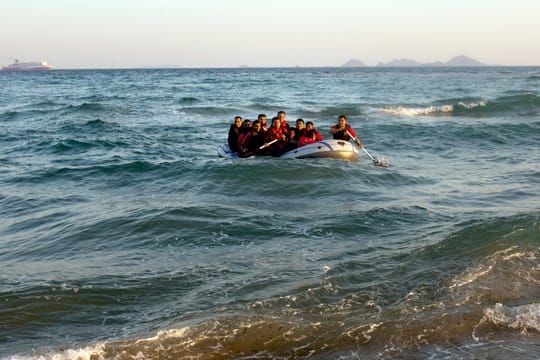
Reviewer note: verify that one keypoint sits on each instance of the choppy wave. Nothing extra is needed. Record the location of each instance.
(333, 111)
(123, 235)
(32, 111)
(90, 100)
(85, 107)
(95, 126)
(8, 115)
(188, 100)
(524, 318)
(209, 110)
(496, 295)
(27, 112)
(81, 172)
(524, 103)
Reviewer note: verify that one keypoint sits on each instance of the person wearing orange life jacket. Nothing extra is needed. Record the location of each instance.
(311, 135)
(246, 127)
(341, 131)
(283, 118)
(275, 132)
(252, 141)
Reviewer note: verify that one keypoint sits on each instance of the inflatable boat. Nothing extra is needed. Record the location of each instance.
(331, 149)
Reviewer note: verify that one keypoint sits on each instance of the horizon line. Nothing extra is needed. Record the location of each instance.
(179, 67)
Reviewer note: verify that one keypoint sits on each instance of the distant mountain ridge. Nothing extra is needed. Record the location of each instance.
(460, 60)
(354, 63)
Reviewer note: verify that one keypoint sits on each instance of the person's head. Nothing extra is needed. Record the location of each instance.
(300, 124)
(309, 126)
(342, 120)
(292, 133)
(246, 124)
(256, 126)
(276, 122)
(262, 118)
(238, 121)
(281, 115)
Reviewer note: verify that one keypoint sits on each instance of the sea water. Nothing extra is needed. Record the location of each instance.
(124, 236)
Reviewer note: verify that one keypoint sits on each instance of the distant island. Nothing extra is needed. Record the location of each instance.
(460, 60)
(353, 63)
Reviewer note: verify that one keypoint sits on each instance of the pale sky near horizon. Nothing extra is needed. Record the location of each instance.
(230, 33)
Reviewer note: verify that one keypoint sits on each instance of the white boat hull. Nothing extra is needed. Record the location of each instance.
(225, 152)
(330, 149)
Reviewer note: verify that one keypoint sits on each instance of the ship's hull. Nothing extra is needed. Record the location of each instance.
(27, 68)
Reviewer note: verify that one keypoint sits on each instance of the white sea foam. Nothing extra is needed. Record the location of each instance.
(523, 318)
(416, 111)
(430, 110)
(166, 334)
(95, 352)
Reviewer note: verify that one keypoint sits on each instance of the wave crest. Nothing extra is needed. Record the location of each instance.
(521, 104)
(523, 318)
(333, 111)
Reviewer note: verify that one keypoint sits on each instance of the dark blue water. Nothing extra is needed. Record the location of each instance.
(124, 236)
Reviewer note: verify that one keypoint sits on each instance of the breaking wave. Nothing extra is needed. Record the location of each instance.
(524, 318)
(489, 300)
(521, 104)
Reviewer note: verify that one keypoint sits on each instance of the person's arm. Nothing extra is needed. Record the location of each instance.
(230, 139)
(356, 139)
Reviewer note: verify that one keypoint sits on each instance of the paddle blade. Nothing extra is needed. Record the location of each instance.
(381, 162)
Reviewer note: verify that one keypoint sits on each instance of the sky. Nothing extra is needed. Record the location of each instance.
(266, 33)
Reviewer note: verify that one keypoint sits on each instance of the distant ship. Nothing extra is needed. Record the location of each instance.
(27, 66)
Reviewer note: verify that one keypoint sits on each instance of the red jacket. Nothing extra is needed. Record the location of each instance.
(241, 138)
(309, 138)
(273, 134)
(284, 127)
(250, 144)
(342, 135)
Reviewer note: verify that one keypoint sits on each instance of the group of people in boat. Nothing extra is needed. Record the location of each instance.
(249, 138)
